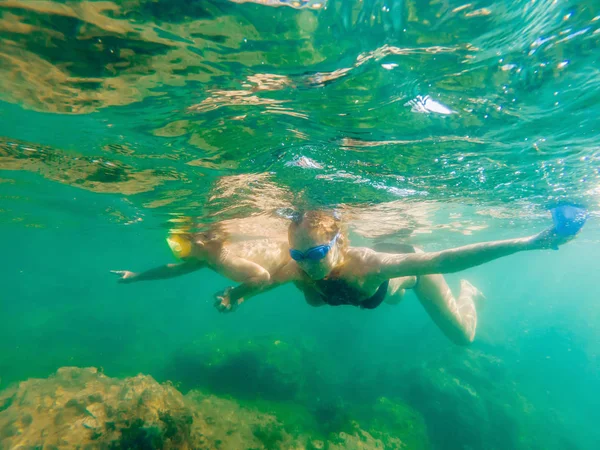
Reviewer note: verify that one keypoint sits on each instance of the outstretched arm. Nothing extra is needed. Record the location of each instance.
(231, 297)
(461, 258)
(159, 273)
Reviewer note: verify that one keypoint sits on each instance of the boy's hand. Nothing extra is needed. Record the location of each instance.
(223, 302)
(125, 276)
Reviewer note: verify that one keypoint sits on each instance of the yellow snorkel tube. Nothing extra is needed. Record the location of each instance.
(180, 245)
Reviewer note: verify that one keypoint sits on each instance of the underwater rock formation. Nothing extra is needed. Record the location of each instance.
(272, 374)
(470, 400)
(272, 369)
(82, 408)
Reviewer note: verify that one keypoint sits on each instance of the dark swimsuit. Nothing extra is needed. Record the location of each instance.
(336, 292)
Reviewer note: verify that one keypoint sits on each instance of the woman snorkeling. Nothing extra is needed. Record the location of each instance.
(331, 272)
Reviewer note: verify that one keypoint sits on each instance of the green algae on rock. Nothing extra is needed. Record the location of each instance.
(82, 408)
(466, 396)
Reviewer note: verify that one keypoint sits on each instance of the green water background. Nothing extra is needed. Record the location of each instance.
(60, 305)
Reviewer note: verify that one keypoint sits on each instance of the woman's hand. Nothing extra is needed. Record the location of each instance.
(549, 240)
(568, 221)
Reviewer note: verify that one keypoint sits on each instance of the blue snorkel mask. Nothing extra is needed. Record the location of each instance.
(314, 254)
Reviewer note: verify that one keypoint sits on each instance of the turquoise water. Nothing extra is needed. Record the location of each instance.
(434, 123)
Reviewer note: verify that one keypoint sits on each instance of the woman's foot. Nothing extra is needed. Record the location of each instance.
(468, 289)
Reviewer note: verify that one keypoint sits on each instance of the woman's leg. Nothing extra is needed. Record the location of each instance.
(456, 317)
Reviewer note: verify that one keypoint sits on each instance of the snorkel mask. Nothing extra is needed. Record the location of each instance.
(315, 253)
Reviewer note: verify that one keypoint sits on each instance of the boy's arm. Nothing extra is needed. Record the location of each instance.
(159, 273)
(232, 297)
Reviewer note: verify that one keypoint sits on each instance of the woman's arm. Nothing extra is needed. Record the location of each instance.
(461, 258)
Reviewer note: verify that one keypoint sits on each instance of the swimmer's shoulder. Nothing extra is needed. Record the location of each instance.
(361, 258)
(368, 261)
(289, 272)
(360, 252)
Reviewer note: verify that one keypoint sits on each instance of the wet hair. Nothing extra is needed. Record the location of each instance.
(330, 223)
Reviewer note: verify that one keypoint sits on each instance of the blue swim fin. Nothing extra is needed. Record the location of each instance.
(568, 219)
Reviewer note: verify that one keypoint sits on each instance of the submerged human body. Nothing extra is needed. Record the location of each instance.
(235, 249)
(328, 271)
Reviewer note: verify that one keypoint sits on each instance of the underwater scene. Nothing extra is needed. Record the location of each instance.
(300, 224)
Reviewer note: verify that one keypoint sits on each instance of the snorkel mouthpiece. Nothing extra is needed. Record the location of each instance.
(180, 246)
